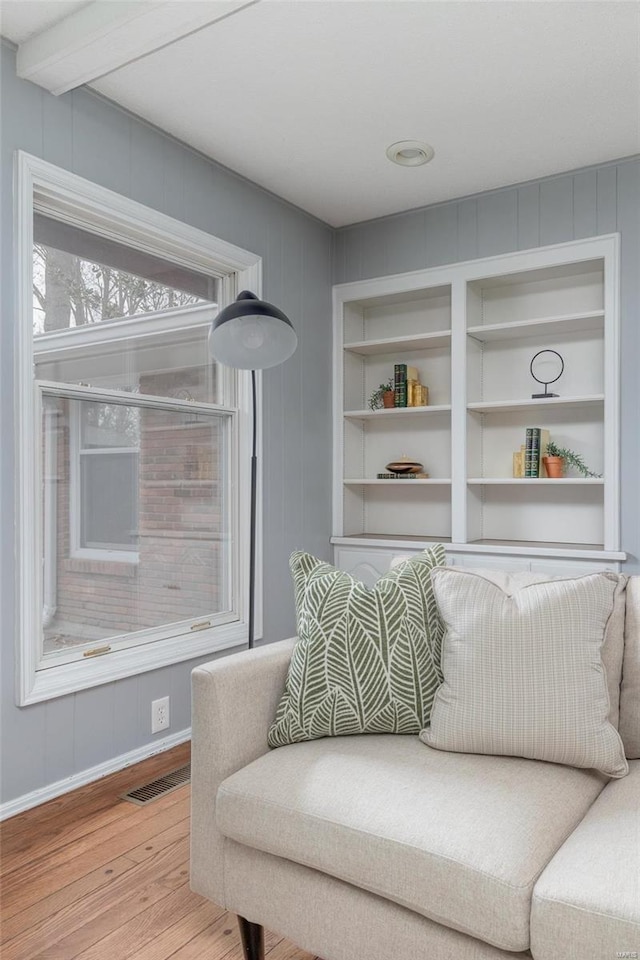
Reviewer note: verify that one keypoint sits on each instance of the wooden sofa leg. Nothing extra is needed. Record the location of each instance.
(252, 936)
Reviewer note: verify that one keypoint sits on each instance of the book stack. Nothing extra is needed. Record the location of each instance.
(402, 476)
(408, 390)
(535, 448)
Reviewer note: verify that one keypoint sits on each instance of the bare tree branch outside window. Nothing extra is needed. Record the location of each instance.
(69, 292)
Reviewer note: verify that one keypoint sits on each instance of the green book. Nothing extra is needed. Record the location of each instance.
(400, 384)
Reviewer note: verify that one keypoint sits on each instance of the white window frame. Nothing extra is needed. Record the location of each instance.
(64, 196)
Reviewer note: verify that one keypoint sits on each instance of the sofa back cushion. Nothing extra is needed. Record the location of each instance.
(630, 689)
(523, 674)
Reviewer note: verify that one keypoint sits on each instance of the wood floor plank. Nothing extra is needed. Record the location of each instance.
(30, 883)
(87, 913)
(219, 941)
(94, 878)
(285, 950)
(52, 904)
(161, 840)
(107, 822)
(203, 915)
(126, 940)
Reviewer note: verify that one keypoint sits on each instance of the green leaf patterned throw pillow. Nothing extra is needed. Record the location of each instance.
(367, 660)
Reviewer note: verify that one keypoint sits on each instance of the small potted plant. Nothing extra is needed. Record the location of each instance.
(558, 458)
(382, 396)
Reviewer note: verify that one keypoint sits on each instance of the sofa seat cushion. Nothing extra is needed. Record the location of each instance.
(586, 904)
(459, 838)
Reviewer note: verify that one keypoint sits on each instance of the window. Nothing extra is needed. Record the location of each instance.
(104, 449)
(133, 450)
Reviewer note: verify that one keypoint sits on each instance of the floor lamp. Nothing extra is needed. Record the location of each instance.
(251, 334)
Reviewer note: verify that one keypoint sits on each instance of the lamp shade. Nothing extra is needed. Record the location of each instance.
(251, 334)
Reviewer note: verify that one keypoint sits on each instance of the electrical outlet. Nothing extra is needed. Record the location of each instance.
(160, 715)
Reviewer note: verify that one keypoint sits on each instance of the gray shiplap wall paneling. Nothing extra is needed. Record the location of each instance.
(607, 199)
(585, 220)
(125, 715)
(553, 210)
(57, 130)
(93, 732)
(147, 166)
(467, 229)
(628, 223)
(529, 216)
(405, 242)
(373, 248)
(101, 139)
(47, 742)
(556, 211)
(497, 223)
(59, 760)
(441, 231)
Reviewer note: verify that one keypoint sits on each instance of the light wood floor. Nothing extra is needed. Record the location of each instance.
(91, 877)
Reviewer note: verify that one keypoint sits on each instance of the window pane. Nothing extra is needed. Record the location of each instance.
(172, 364)
(166, 501)
(109, 425)
(81, 278)
(108, 501)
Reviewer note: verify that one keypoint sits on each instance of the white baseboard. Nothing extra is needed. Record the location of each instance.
(42, 794)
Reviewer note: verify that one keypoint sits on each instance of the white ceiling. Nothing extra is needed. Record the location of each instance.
(304, 96)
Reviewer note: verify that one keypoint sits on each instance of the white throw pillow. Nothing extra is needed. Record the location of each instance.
(523, 672)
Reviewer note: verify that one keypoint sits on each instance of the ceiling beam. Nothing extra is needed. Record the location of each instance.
(107, 34)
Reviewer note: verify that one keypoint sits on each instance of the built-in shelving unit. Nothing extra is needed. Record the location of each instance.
(471, 330)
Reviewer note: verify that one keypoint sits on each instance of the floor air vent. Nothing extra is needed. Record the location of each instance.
(160, 787)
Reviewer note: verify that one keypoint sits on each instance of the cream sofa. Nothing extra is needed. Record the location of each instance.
(380, 848)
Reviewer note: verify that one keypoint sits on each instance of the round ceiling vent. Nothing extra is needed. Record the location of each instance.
(410, 153)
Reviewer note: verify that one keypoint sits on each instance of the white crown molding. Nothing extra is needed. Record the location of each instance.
(35, 797)
(104, 36)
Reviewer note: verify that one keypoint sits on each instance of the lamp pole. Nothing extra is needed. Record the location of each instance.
(251, 334)
(252, 542)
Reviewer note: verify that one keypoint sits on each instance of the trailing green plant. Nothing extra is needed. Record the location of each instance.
(375, 400)
(570, 458)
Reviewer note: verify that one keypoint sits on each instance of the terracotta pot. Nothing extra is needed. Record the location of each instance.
(554, 466)
(388, 398)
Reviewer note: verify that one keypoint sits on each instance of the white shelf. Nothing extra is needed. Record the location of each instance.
(397, 483)
(395, 412)
(542, 327)
(505, 406)
(423, 341)
(538, 481)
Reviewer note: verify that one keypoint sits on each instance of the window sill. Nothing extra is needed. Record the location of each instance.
(58, 680)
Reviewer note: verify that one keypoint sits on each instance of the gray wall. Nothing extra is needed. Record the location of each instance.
(567, 207)
(80, 132)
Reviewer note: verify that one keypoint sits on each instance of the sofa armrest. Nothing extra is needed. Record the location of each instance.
(234, 701)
